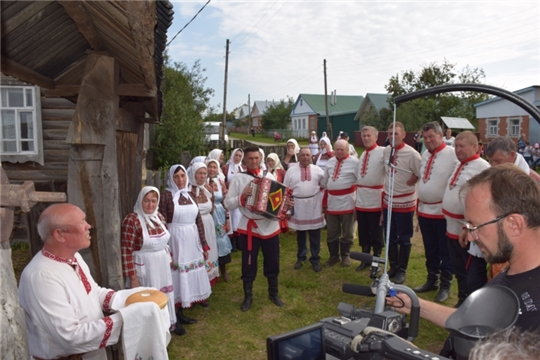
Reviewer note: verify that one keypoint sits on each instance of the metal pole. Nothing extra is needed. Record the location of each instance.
(222, 127)
(328, 125)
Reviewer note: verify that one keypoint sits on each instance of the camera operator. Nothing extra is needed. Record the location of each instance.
(502, 212)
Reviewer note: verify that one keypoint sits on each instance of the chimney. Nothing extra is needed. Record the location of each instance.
(335, 97)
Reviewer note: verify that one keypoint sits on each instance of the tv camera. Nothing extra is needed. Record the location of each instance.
(382, 333)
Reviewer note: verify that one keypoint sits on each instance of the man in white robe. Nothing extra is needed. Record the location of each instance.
(307, 217)
(62, 302)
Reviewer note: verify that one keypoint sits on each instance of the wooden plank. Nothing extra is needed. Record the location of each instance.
(125, 121)
(10, 67)
(54, 134)
(10, 24)
(142, 20)
(77, 11)
(56, 124)
(137, 90)
(55, 145)
(64, 114)
(56, 156)
(37, 175)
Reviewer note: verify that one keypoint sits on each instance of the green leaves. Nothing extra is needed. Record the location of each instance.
(278, 116)
(416, 113)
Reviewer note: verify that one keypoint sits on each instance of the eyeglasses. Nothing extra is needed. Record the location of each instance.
(472, 229)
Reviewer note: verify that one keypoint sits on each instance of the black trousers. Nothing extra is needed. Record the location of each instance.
(270, 251)
(370, 233)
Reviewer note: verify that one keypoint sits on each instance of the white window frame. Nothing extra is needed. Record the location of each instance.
(19, 155)
(518, 132)
(489, 127)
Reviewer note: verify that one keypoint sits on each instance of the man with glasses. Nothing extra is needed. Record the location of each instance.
(502, 213)
(469, 266)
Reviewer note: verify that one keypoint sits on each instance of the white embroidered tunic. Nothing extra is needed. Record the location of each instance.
(370, 183)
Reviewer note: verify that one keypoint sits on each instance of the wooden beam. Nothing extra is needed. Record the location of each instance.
(77, 12)
(136, 90)
(12, 68)
(141, 17)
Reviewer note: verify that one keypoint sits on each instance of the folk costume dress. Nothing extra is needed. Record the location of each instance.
(187, 243)
(230, 170)
(203, 198)
(313, 144)
(324, 155)
(224, 246)
(145, 250)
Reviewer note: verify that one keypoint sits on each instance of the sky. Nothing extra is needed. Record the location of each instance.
(277, 47)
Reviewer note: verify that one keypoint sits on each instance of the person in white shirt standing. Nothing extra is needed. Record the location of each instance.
(403, 164)
(449, 139)
(338, 203)
(369, 188)
(438, 162)
(307, 217)
(470, 270)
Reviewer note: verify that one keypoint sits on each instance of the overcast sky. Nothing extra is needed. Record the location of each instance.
(277, 46)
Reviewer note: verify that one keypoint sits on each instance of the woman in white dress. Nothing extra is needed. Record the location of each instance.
(222, 219)
(325, 154)
(203, 195)
(314, 143)
(146, 256)
(188, 244)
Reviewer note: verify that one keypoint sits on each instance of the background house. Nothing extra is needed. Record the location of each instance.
(369, 110)
(500, 117)
(257, 112)
(309, 113)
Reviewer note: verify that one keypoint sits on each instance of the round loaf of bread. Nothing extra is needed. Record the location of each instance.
(156, 296)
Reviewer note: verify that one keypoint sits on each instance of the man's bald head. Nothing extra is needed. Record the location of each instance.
(341, 149)
(54, 217)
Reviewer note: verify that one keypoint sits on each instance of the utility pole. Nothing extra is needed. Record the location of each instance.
(222, 127)
(328, 125)
(250, 125)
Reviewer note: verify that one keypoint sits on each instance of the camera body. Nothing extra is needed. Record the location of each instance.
(339, 332)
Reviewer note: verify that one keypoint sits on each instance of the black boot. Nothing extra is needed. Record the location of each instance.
(333, 249)
(248, 296)
(393, 258)
(234, 243)
(183, 319)
(179, 330)
(404, 253)
(444, 291)
(273, 292)
(432, 282)
(363, 264)
(462, 292)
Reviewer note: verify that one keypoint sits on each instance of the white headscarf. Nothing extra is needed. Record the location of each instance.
(152, 218)
(296, 146)
(327, 141)
(215, 155)
(171, 185)
(262, 164)
(235, 167)
(197, 159)
(191, 175)
(208, 163)
(277, 162)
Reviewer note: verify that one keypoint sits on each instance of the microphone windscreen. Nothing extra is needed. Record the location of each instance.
(360, 256)
(355, 289)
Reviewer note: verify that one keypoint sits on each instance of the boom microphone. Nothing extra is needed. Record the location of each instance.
(355, 289)
(360, 256)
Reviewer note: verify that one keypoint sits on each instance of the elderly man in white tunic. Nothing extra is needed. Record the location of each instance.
(64, 305)
(307, 217)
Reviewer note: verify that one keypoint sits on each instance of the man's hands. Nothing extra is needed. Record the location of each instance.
(248, 191)
(412, 180)
(463, 238)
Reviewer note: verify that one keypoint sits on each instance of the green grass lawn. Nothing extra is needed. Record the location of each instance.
(225, 332)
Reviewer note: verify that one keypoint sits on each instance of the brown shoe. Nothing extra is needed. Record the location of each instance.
(345, 261)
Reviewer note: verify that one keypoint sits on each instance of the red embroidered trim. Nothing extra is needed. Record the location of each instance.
(337, 170)
(455, 177)
(108, 330)
(306, 222)
(342, 191)
(366, 159)
(72, 261)
(107, 301)
(305, 173)
(429, 166)
(84, 280)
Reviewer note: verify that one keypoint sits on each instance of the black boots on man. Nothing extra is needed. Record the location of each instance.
(431, 284)
(248, 296)
(273, 292)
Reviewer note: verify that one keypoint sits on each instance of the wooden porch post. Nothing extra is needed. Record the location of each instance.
(92, 167)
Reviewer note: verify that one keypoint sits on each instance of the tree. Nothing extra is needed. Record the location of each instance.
(413, 114)
(185, 99)
(278, 116)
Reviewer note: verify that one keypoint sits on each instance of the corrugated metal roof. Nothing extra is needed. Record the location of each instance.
(379, 101)
(457, 123)
(344, 104)
(263, 105)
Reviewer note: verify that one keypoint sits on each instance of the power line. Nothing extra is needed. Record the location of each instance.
(189, 22)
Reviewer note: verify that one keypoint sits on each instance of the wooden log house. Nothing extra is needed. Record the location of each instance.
(80, 89)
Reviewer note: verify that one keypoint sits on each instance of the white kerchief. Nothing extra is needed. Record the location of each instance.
(152, 218)
(191, 175)
(171, 186)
